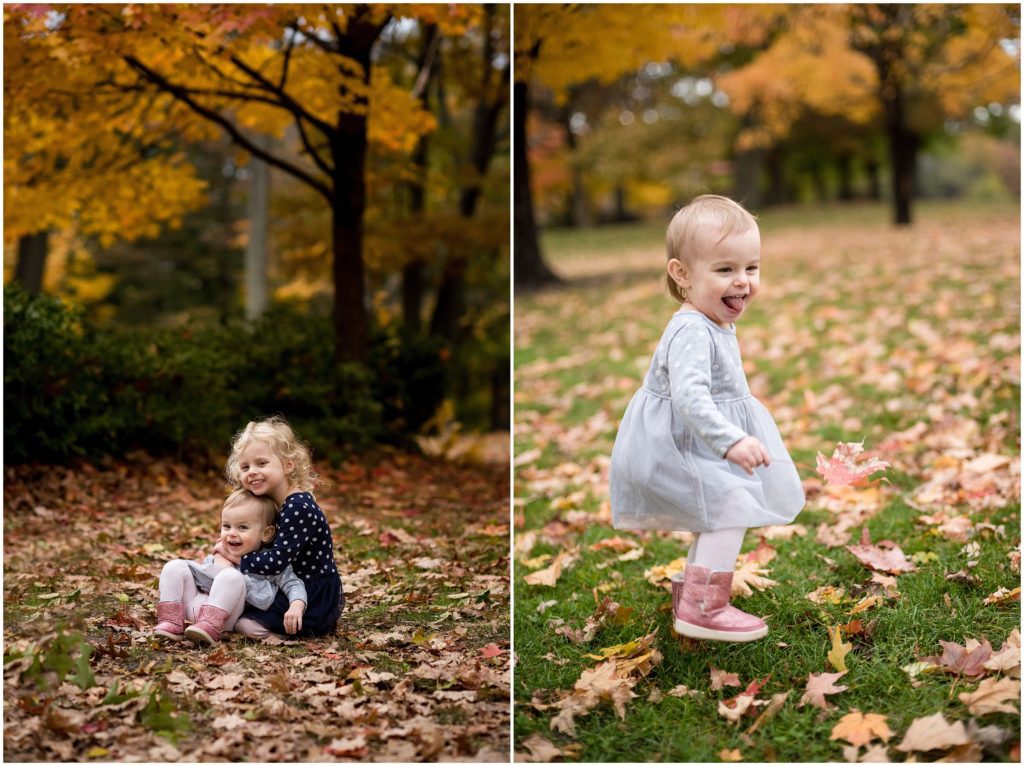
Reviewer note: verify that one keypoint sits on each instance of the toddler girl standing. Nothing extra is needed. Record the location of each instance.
(695, 450)
(268, 459)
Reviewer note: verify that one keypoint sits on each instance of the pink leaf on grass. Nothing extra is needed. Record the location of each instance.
(843, 468)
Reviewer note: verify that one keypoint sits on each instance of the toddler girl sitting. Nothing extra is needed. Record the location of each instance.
(212, 595)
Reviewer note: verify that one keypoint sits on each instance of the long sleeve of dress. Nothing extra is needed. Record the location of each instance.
(292, 535)
(690, 360)
(261, 590)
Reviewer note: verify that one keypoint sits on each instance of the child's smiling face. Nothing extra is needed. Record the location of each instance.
(242, 528)
(721, 282)
(261, 471)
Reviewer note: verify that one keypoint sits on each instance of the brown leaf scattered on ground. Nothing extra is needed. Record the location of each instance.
(933, 732)
(993, 695)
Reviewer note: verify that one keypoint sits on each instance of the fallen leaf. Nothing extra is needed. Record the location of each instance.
(748, 578)
(617, 544)
(826, 594)
(968, 660)
(933, 733)
(891, 560)
(864, 604)
(730, 756)
(844, 469)
(1003, 596)
(540, 748)
(993, 695)
(859, 729)
(720, 678)
(837, 655)
(818, 685)
(774, 706)
(549, 576)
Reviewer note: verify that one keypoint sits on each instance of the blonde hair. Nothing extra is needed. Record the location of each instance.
(265, 505)
(279, 436)
(691, 231)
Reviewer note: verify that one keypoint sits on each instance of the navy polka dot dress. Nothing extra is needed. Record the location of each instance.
(304, 541)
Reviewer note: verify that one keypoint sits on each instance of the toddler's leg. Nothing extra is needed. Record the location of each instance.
(177, 588)
(228, 593)
(176, 582)
(250, 628)
(223, 606)
(700, 599)
(717, 550)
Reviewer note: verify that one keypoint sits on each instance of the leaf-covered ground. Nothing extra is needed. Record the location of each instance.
(892, 608)
(418, 669)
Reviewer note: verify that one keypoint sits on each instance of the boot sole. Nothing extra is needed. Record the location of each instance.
(199, 635)
(708, 634)
(168, 635)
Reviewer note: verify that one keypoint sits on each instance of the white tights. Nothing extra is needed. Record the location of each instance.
(227, 593)
(716, 550)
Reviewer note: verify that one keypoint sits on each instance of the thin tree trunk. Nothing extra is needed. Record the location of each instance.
(32, 252)
(530, 269)
(256, 250)
(451, 298)
(412, 274)
(902, 156)
(845, 166)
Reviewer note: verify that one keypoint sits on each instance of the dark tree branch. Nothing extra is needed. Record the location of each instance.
(183, 94)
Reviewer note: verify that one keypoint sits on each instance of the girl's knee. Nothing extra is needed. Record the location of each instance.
(175, 567)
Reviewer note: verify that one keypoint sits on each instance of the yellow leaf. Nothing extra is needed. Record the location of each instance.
(837, 657)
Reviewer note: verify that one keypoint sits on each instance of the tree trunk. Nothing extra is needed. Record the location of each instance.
(32, 252)
(256, 249)
(412, 274)
(874, 182)
(748, 166)
(451, 298)
(530, 269)
(776, 194)
(500, 389)
(902, 155)
(579, 208)
(844, 165)
(348, 153)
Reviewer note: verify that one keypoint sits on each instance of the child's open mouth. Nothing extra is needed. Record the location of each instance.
(734, 302)
(255, 483)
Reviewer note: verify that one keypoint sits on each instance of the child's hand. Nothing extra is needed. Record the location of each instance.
(293, 617)
(748, 453)
(221, 549)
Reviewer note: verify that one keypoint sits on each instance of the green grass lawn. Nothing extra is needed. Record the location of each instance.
(861, 330)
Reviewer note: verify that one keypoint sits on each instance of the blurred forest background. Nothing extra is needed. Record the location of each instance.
(220, 212)
(624, 112)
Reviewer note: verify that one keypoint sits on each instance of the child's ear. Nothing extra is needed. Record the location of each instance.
(268, 533)
(678, 273)
(289, 466)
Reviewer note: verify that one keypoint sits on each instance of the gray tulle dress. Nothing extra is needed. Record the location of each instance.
(668, 467)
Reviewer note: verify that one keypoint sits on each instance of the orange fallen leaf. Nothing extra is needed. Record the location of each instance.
(720, 678)
(1003, 596)
(859, 729)
(549, 576)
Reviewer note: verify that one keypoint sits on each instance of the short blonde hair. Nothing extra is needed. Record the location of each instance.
(279, 436)
(700, 225)
(264, 503)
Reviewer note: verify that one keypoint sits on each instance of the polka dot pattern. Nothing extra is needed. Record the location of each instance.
(303, 540)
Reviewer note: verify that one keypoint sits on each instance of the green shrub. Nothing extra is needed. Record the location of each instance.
(70, 391)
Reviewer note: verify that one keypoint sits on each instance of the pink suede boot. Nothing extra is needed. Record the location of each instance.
(700, 605)
(209, 625)
(171, 616)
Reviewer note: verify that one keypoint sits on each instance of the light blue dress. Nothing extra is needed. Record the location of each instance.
(668, 467)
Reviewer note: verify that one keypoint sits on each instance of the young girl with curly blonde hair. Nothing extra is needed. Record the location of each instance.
(267, 458)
